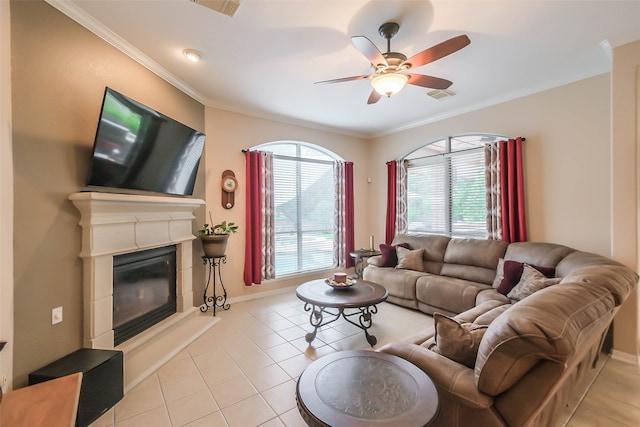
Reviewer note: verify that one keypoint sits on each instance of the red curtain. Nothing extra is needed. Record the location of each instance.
(514, 224)
(253, 219)
(390, 222)
(349, 213)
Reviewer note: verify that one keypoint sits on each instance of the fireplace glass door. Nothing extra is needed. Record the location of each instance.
(144, 290)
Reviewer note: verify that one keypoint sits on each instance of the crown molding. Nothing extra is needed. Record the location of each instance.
(100, 30)
(532, 90)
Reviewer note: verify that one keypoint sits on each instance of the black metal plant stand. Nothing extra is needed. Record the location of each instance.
(214, 301)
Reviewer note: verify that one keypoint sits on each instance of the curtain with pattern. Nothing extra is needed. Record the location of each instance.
(492, 183)
(402, 226)
(259, 260)
(396, 216)
(343, 215)
(506, 213)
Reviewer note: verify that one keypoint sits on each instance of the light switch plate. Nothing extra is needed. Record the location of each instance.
(56, 315)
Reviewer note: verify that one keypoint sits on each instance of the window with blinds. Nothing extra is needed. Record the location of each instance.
(304, 199)
(446, 190)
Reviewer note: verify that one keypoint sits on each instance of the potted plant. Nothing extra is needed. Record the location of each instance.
(214, 237)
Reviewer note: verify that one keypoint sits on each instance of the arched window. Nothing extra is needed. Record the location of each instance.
(446, 189)
(304, 203)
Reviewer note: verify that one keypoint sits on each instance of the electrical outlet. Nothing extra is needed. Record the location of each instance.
(56, 315)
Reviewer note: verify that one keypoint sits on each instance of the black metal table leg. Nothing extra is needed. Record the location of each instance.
(316, 319)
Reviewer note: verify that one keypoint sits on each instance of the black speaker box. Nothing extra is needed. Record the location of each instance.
(102, 380)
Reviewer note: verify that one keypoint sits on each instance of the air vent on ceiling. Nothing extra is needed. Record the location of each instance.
(228, 7)
(440, 94)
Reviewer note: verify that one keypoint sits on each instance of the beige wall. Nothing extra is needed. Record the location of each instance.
(625, 84)
(6, 199)
(227, 135)
(567, 159)
(59, 74)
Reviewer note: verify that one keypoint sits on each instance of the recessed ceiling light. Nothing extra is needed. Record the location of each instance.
(192, 54)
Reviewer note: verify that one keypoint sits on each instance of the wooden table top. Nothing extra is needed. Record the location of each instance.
(359, 388)
(361, 294)
(51, 403)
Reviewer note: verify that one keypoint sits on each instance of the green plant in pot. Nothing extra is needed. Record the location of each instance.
(214, 237)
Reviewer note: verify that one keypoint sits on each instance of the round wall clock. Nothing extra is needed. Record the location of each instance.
(229, 186)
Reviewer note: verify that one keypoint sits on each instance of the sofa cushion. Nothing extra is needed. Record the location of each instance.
(447, 293)
(398, 282)
(532, 280)
(588, 268)
(491, 294)
(547, 325)
(473, 259)
(484, 313)
(456, 340)
(537, 253)
(513, 272)
(389, 255)
(409, 259)
(434, 248)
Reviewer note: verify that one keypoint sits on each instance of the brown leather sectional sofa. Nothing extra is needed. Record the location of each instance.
(531, 353)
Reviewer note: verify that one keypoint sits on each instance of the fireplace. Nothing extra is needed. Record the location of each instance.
(144, 290)
(117, 224)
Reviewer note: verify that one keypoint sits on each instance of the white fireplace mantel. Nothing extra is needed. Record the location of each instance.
(114, 224)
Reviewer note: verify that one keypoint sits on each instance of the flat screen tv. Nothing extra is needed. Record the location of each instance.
(141, 150)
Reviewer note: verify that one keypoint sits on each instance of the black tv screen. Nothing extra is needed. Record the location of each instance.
(137, 148)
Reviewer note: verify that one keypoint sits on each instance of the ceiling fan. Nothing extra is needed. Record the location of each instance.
(391, 68)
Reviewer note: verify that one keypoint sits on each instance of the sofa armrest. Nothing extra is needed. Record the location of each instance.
(375, 260)
(449, 377)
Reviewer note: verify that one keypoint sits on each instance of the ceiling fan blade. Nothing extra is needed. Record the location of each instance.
(438, 51)
(374, 97)
(369, 50)
(428, 81)
(343, 79)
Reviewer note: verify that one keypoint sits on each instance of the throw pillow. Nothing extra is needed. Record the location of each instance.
(410, 260)
(389, 254)
(513, 272)
(531, 281)
(457, 341)
(499, 274)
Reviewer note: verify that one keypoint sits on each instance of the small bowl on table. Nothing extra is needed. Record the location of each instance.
(340, 281)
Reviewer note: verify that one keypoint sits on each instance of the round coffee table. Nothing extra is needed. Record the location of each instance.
(362, 297)
(360, 388)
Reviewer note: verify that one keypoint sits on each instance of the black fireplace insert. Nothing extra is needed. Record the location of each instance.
(144, 290)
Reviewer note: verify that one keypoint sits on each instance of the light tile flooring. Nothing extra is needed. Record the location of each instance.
(242, 372)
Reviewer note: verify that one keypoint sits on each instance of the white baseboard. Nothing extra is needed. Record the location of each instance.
(625, 357)
(264, 294)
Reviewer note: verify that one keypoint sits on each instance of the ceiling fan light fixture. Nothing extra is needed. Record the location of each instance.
(389, 84)
(192, 55)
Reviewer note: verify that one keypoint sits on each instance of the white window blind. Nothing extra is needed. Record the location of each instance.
(427, 199)
(446, 194)
(468, 202)
(304, 194)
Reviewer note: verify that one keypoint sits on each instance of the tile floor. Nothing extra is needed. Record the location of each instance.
(242, 372)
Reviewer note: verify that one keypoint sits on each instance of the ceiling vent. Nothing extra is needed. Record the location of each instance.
(440, 94)
(227, 7)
